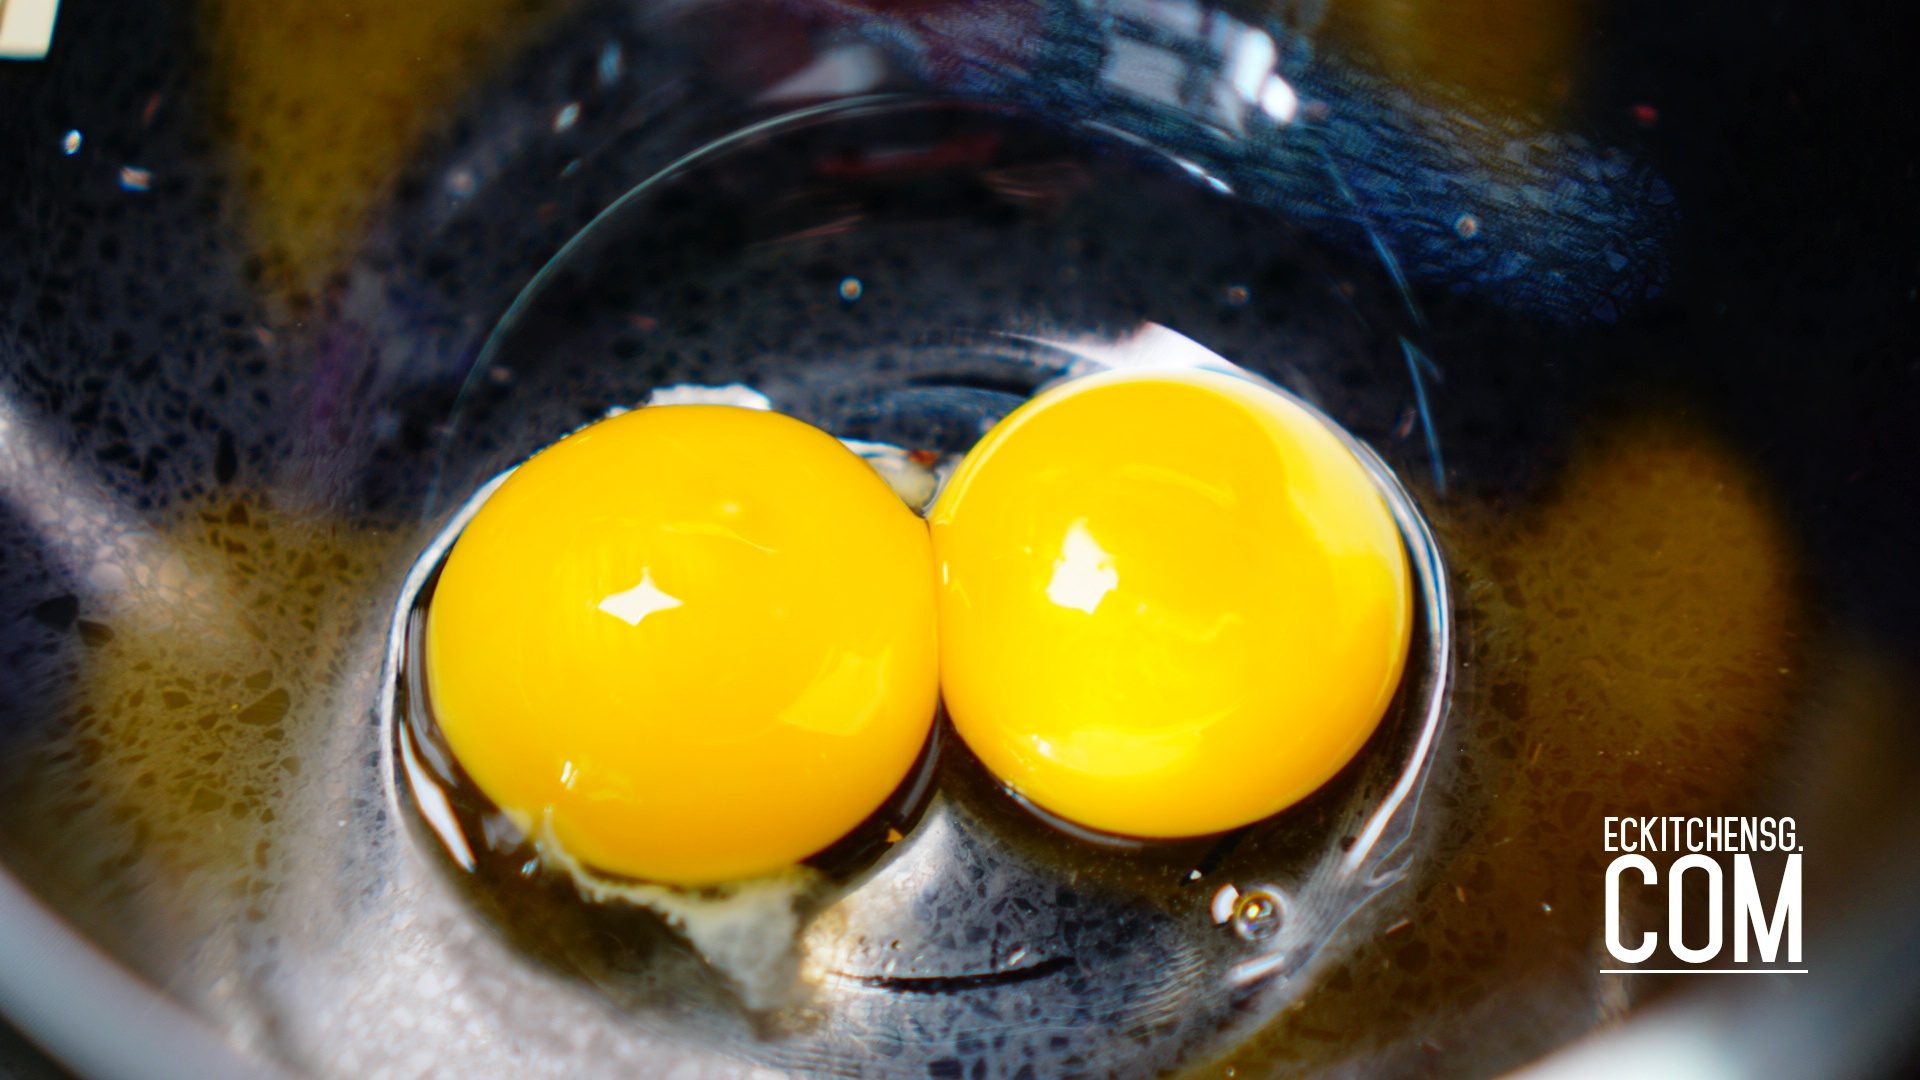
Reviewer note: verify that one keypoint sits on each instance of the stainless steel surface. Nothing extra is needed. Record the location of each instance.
(252, 267)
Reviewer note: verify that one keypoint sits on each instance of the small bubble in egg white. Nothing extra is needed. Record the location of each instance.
(1257, 915)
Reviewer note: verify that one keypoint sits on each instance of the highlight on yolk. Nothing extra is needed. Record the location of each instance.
(1170, 603)
(691, 643)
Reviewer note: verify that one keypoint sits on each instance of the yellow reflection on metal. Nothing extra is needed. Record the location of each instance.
(326, 99)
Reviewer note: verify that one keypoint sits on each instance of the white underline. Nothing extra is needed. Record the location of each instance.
(1703, 971)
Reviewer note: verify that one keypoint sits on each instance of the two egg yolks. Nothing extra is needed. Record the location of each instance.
(697, 643)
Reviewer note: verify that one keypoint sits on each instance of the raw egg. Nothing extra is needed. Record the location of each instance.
(687, 644)
(1170, 604)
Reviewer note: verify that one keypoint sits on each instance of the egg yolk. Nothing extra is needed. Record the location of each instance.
(1169, 604)
(689, 643)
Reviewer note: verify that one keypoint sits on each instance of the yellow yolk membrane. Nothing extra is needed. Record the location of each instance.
(689, 643)
(1170, 603)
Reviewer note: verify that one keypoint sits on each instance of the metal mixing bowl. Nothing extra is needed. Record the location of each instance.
(1617, 302)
